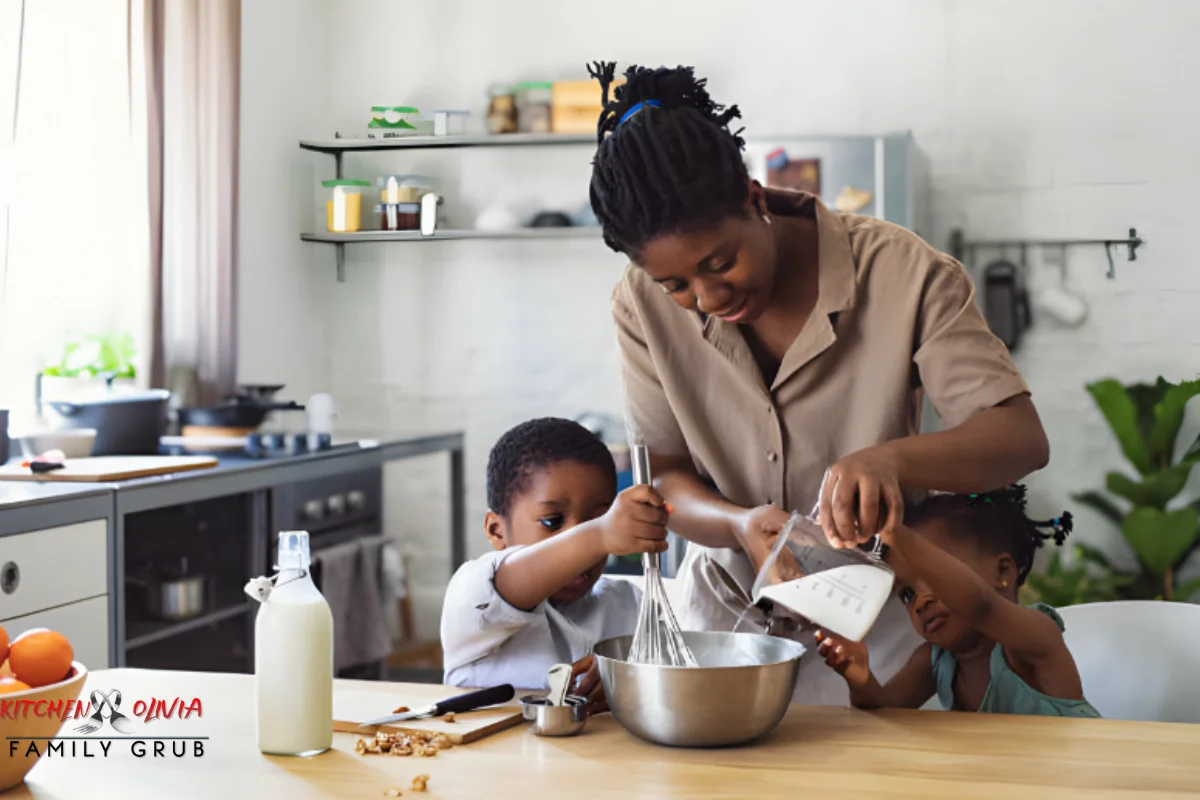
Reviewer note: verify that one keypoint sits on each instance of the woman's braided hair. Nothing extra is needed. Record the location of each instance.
(667, 161)
(997, 521)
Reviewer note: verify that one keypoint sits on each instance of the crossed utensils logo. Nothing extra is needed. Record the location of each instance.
(110, 702)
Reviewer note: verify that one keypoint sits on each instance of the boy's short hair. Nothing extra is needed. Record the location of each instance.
(536, 445)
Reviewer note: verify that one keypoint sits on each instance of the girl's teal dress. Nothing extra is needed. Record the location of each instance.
(1007, 693)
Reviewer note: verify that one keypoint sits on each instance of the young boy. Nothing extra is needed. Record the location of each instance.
(539, 599)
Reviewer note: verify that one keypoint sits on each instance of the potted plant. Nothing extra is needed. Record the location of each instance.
(89, 367)
(1148, 423)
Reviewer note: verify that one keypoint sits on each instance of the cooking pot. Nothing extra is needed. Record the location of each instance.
(244, 412)
(172, 595)
(125, 424)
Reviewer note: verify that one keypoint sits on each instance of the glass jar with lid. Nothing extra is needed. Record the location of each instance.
(343, 207)
(534, 100)
(502, 111)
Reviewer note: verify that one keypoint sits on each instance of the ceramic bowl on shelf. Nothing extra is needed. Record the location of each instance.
(36, 731)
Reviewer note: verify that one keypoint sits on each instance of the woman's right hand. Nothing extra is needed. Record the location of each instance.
(848, 659)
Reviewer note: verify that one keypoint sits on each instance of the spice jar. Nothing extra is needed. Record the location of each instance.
(408, 216)
(399, 216)
(402, 188)
(502, 111)
(534, 101)
(343, 209)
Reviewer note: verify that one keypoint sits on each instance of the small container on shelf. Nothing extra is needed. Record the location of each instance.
(394, 120)
(502, 111)
(408, 216)
(449, 123)
(403, 188)
(343, 208)
(534, 101)
(398, 216)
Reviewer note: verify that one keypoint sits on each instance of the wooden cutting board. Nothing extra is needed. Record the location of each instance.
(102, 469)
(350, 708)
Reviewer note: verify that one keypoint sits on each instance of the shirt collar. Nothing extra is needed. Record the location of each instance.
(835, 261)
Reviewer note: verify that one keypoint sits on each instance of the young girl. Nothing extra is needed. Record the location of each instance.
(959, 562)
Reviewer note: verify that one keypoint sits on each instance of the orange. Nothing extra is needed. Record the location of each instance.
(40, 657)
(8, 685)
(3, 644)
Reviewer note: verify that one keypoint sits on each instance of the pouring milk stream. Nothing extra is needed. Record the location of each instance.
(293, 656)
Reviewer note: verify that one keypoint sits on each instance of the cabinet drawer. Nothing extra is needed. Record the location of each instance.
(85, 624)
(53, 567)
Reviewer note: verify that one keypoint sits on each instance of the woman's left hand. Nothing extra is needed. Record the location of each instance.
(861, 497)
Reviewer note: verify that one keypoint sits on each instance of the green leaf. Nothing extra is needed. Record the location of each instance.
(1184, 591)
(1160, 538)
(1098, 502)
(1090, 555)
(1155, 490)
(1168, 416)
(1121, 413)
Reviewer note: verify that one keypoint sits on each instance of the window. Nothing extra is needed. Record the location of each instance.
(73, 180)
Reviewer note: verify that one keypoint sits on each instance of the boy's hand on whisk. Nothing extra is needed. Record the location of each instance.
(636, 522)
(848, 659)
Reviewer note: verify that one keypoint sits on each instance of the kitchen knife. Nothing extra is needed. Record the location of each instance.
(460, 704)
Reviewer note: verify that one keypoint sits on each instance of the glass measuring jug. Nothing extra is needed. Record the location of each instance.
(842, 591)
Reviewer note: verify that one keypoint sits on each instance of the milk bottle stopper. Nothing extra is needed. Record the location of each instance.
(293, 550)
(293, 555)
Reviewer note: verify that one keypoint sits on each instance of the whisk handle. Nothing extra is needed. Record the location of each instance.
(640, 456)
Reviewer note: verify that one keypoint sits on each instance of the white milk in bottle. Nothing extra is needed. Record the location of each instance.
(293, 656)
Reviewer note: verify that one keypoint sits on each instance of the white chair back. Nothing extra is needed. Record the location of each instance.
(1138, 659)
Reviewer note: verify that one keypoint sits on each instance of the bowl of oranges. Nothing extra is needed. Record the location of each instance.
(35, 666)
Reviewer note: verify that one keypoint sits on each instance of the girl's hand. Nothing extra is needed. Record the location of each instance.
(848, 659)
(636, 522)
(861, 497)
(586, 677)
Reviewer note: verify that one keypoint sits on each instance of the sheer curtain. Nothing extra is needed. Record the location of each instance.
(73, 262)
(118, 187)
(191, 80)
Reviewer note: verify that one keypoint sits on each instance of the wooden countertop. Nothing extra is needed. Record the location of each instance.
(827, 751)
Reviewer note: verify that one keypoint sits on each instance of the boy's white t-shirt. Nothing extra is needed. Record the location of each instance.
(486, 641)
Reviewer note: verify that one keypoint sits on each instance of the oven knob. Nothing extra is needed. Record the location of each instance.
(336, 504)
(356, 500)
(314, 509)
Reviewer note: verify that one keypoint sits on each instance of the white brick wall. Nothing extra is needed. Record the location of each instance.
(1039, 119)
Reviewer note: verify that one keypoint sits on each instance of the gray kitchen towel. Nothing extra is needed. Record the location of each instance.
(350, 576)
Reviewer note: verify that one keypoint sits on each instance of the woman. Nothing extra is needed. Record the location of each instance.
(766, 339)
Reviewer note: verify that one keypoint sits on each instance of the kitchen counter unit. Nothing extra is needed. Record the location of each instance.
(830, 752)
(265, 483)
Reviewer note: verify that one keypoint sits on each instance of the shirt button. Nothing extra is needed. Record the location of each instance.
(771, 456)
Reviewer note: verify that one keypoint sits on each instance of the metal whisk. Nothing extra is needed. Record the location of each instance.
(657, 639)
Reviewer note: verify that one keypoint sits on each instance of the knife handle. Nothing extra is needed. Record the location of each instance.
(473, 700)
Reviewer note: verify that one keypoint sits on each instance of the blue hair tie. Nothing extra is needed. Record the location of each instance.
(636, 107)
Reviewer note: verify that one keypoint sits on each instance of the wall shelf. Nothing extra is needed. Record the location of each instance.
(336, 146)
(368, 237)
(339, 147)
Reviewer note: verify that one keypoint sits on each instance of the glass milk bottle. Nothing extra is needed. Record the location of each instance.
(293, 656)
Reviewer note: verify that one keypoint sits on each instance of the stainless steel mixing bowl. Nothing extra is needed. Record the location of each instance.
(739, 693)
